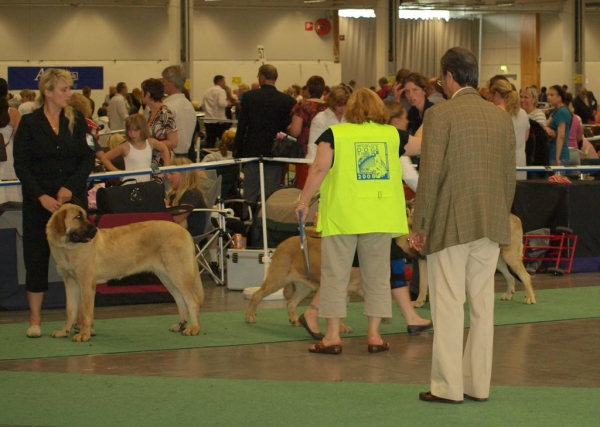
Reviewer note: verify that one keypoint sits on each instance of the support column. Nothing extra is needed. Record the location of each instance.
(381, 54)
(174, 13)
(530, 49)
(568, 21)
(181, 46)
(578, 45)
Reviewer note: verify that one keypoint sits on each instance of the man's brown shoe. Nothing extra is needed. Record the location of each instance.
(476, 399)
(426, 396)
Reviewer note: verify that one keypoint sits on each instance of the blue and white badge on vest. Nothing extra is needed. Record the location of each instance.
(372, 160)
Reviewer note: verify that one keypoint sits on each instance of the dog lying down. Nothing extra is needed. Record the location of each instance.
(510, 256)
(86, 256)
(287, 270)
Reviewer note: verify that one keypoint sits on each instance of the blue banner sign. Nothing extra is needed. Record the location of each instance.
(29, 77)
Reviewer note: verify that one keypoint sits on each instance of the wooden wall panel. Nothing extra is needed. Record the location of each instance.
(530, 49)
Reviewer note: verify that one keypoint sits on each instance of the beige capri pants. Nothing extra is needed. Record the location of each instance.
(337, 254)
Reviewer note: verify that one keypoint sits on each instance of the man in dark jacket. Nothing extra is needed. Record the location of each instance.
(585, 105)
(265, 112)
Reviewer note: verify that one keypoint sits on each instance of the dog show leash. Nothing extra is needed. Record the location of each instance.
(304, 246)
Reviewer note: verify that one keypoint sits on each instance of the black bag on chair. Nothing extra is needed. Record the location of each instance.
(145, 196)
(286, 146)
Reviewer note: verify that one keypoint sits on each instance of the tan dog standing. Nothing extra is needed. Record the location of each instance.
(287, 270)
(86, 256)
(511, 255)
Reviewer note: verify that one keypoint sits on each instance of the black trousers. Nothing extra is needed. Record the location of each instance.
(36, 251)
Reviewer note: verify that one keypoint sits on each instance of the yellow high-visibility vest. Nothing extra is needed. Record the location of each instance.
(363, 191)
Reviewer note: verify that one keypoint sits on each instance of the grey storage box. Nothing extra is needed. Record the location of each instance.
(245, 268)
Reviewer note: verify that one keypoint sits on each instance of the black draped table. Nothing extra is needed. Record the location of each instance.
(541, 204)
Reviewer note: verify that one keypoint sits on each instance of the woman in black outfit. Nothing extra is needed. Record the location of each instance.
(52, 161)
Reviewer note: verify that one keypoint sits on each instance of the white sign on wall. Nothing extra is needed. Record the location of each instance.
(261, 53)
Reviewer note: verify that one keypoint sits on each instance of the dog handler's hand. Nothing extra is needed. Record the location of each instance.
(302, 208)
(417, 241)
(64, 195)
(49, 203)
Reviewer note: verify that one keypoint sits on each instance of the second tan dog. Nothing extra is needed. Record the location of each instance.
(287, 270)
(86, 256)
(510, 256)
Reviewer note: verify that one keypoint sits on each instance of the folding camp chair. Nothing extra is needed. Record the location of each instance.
(203, 242)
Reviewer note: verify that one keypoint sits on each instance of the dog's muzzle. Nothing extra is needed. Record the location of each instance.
(77, 236)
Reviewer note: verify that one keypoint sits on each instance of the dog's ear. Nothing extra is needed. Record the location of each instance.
(57, 223)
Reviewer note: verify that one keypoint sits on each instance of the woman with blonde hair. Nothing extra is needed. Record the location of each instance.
(186, 190)
(506, 97)
(52, 161)
(353, 215)
(529, 96)
(83, 105)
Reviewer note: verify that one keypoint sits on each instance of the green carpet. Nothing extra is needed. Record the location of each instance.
(228, 328)
(103, 400)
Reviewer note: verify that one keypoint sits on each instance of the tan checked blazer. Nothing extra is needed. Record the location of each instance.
(467, 173)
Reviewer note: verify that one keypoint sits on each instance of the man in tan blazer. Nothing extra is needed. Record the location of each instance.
(461, 217)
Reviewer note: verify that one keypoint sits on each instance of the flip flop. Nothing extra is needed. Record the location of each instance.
(316, 335)
(325, 349)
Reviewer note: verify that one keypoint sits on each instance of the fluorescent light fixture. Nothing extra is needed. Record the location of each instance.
(315, 1)
(356, 13)
(424, 14)
(504, 68)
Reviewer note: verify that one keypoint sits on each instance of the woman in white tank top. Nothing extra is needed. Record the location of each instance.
(137, 148)
(9, 121)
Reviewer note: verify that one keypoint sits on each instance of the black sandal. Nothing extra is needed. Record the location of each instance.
(316, 335)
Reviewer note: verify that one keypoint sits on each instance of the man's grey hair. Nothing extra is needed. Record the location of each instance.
(462, 63)
(176, 75)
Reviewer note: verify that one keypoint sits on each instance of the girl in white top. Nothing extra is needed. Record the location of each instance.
(9, 121)
(505, 97)
(137, 148)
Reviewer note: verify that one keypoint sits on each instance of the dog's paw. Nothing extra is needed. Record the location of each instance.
(345, 329)
(191, 330)
(61, 333)
(81, 337)
(418, 303)
(530, 300)
(250, 318)
(508, 296)
(178, 327)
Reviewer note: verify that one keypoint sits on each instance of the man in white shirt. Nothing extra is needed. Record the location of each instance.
(185, 115)
(117, 108)
(214, 104)
(27, 102)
